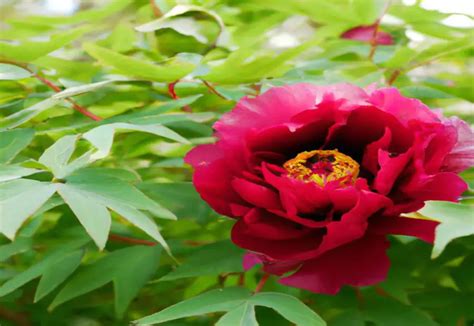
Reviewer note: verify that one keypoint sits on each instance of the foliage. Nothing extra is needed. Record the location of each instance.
(97, 111)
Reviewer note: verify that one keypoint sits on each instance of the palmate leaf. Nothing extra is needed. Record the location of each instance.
(12, 142)
(68, 255)
(129, 269)
(213, 259)
(239, 303)
(19, 199)
(457, 220)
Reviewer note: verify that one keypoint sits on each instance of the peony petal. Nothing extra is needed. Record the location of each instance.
(256, 194)
(366, 34)
(359, 263)
(422, 229)
(462, 155)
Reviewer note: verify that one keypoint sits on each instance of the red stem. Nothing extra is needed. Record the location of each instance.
(156, 11)
(172, 92)
(120, 238)
(393, 77)
(373, 40)
(262, 282)
(76, 106)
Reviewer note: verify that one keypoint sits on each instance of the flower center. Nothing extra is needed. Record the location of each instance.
(323, 166)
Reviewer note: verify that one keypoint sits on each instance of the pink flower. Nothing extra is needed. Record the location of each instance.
(316, 177)
(366, 33)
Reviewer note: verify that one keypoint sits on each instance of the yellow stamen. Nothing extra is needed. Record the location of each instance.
(323, 166)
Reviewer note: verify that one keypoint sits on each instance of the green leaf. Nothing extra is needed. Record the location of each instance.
(93, 216)
(28, 51)
(442, 49)
(187, 28)
(169, 72)
(129, 269)
(57, 273)
(289, 307)
(77, 90)
(456, 220)
(12, 172)
(13, 142)
(389, 312)
(212, 301)
(18, 246)
(243, 315)
(102, 137)
(19, 199)
(213, 259)
(20, 117)
(112, 191)
(12, 72)
(41, 267)
(57, 156)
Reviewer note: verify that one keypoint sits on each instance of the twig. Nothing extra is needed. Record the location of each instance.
(213, 90)
(156, 11)
(55, 88)
(123, 239)
(262, 282)
(17, 318)
(373, 40)
(172, 92)
(391, 79)
(76, 106)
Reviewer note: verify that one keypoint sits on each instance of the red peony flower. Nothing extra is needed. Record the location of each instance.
(317, 177)
(366, 33)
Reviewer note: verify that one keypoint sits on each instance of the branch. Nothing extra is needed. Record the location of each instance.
(213, 90)
(156, 11)
(373, 40)
(123, 239)
(172, 92)
(391, 79)
(17, 318)
(55, 88)
(262, 282)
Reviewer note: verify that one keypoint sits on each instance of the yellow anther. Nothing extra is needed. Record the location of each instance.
(323, 166)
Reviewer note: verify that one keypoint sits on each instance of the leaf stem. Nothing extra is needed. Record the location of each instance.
(261, 283)
(17, 318)
(213, 90)
(391, 79)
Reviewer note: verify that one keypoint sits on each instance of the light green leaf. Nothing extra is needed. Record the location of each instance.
(57, 273)
(212, 301)
(102, 137)
(93, 216)
(12, 72)
(28, 51)
(57, 156)
(442, 49)
(14, 141)
(129, 269)
(243, 315)
(77, 90)
(169, 72)
(141, 221)
(289, 307)
(12, 172)
(19, 199)
(213, 259)
(185, 25)
(457, 220)
(20, 117)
